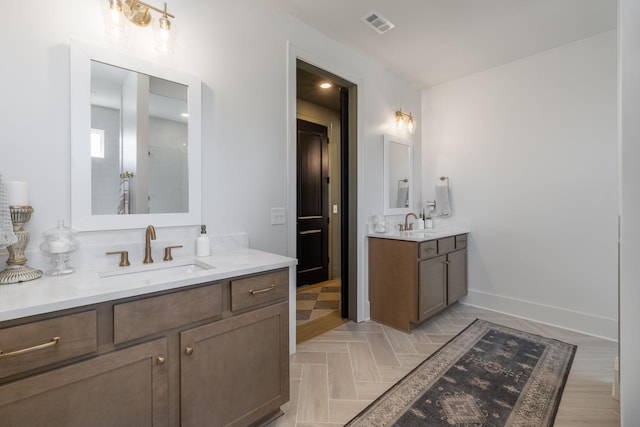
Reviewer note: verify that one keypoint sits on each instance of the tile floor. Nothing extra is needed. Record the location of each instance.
(317, 300)
(337, 374)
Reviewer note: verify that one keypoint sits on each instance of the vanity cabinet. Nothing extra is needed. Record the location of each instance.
(127, 387)
(234, 355)
(411, 281)
(185, 357)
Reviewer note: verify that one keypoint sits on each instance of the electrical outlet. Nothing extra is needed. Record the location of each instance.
(278, 216)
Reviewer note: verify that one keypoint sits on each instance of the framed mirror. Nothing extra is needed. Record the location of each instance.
(135, 142)
(398, 175)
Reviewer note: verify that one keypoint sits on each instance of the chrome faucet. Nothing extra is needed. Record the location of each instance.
(150, 235)
(408, 226)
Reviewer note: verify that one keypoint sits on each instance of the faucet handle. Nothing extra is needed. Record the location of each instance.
(124, 257)
(167, 252)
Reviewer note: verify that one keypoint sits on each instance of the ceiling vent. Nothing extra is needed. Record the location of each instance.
(378, 22)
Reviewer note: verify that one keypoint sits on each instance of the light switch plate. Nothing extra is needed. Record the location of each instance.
(335, 208)
(278, 216)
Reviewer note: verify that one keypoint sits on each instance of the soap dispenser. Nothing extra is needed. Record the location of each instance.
(203, 247)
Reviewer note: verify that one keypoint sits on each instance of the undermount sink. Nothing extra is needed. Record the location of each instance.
(153, 271)
(420, 232)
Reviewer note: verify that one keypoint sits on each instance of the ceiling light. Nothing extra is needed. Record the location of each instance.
(325, 85)
(117, 14)
(405, 120)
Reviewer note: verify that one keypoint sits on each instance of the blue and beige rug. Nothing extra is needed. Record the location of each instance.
(488, 375)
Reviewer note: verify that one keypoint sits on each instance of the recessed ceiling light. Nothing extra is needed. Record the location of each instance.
(325, 85)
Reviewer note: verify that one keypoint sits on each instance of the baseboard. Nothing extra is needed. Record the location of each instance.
(597, 326)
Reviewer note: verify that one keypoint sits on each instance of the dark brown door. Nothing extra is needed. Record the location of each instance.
(313, 208)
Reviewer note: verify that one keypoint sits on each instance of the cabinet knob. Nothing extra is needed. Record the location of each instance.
(161, 360)
(188, 351)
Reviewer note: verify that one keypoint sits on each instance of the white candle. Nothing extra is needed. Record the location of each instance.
(17, 193)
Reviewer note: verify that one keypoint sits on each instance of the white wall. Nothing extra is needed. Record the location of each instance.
(530, 148)
(629, 24)
(242, 52)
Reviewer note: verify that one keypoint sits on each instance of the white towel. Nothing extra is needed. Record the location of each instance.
(7, 236)
(403, 197)
(123, 205)
(443, 202)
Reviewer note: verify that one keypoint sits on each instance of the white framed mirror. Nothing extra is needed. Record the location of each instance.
(398, 175)
(135, 142)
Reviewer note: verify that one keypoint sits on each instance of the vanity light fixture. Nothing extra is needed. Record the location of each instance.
(404, 119)
(118, 12)
(325, 85)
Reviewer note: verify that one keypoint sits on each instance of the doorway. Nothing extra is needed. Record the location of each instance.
(324, 178)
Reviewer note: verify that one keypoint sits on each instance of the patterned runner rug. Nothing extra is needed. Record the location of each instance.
(488, 375)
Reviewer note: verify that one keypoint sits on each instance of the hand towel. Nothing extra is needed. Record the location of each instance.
(443, 202)
(123, 205)
(7, 236)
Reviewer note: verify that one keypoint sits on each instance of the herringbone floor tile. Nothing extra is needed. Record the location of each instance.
(336, 375)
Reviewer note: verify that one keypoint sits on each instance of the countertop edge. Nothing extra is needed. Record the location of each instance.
(420, 235)
(51, 294)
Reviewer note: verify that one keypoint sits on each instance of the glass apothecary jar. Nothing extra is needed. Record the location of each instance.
(58, 244)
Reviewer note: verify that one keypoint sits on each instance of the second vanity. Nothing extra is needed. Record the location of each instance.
(414, 275)
(201, 347)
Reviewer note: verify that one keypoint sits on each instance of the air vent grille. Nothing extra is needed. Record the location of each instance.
(378, 22)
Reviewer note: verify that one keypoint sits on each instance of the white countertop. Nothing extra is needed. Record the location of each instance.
(424, 235)
(84, 287)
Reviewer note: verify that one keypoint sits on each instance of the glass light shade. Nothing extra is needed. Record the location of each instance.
(115, 23)
(411, 125)
(165, 34)
(399, 120)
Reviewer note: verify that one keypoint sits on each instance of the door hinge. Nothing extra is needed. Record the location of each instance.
(328, 179)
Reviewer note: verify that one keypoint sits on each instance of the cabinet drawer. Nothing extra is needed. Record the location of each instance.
(446, 245)
(258, 290)
(147, 316)
(461, 241)
(42, 343)
(428, 249)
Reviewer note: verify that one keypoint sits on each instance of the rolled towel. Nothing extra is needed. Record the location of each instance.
(443, 202)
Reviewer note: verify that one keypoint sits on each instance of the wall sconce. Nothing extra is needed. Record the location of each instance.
(405, 120)
(118, 13)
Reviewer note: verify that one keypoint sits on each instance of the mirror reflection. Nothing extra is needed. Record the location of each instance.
(139, 150)
(398, 175)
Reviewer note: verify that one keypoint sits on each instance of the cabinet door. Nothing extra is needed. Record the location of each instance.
(457, 274)
(432, 292)
(123, 388)
(235, 371)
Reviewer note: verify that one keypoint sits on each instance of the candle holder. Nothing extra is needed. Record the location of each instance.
(18, 270)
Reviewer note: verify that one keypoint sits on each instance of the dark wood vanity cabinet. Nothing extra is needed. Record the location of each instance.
(186, 357)
(410, 282)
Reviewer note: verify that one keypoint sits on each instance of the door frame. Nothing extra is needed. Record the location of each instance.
(358, 306)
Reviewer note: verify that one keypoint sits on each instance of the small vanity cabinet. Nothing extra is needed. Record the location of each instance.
(211, 354)
(410, 281)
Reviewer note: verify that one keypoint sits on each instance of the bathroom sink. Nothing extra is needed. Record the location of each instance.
(153, 271)
(420, 232)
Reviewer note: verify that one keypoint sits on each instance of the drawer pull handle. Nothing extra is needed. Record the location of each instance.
(53, 342)
(462, 241)
(188, 351)
(429, 249)
(260, 291)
